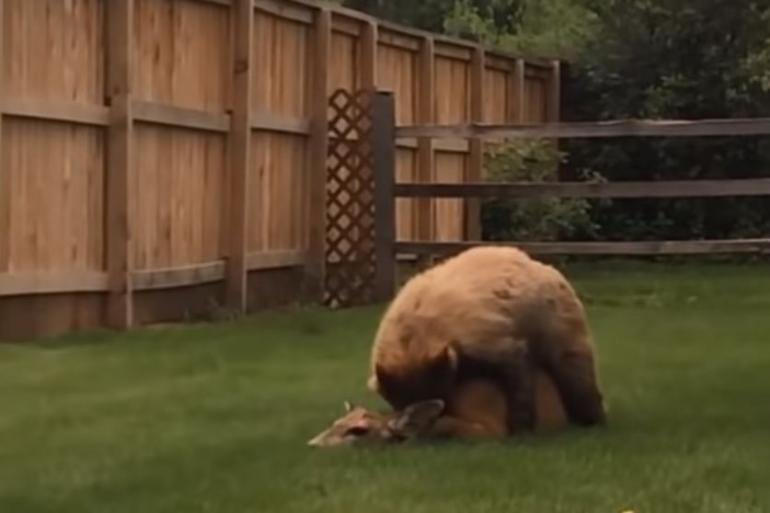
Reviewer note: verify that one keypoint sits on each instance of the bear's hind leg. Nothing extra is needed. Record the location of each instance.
(513, 370)
(568, 358)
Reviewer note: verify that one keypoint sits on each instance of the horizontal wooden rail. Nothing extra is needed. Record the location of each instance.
(621, 128)
(154, 279)
(276, 259)
(151, 112)
(158, 113)
(443, 145)
(662, 189)
(73, 112)
(52, 282)
(70, 282)
(694, 247)
(271, 122)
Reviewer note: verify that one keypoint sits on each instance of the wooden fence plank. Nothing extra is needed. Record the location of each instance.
(5, 177)
(37, 282)
(317, 156)
(272, 122)
(369, 37)
(239, 147)
(119, 164)
(519, 88)
(553, 105)
(158, 113)
(475, 169)
(384, 149)
(619, 128)
(694, 247)
(425, 145)
(80, 113)
(277, 259)
(663, 189)
(156, 279)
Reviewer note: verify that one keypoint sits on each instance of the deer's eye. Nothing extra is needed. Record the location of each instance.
(357, 431)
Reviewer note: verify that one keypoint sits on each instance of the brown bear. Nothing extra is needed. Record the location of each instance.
(489, 311)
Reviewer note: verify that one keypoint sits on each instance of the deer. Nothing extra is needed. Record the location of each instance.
(475, 411)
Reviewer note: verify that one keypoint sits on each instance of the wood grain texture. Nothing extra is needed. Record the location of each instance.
(179, 209)
(52, 201)
(423, 228)
(280, 76)
(475, 169)
(57, 50)
(182, 53)
(278, 192)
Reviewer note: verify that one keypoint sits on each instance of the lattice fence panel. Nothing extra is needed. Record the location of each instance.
(350, 256)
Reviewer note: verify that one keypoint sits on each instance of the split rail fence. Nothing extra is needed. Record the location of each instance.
(389, 189)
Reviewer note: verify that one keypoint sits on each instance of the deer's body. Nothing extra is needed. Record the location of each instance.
(476, 409)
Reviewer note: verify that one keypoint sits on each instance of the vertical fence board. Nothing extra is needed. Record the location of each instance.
(425, 153)
(519, 91)
(239, 147)
(475, 170)
(554, 93)
(5, 182)
(58, 50)
(181, 52)
(319, 142)
(369, 57)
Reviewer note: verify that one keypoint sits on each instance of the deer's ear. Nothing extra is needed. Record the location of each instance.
(417, 418)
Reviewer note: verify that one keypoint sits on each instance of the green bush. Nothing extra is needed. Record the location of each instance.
(538, 219)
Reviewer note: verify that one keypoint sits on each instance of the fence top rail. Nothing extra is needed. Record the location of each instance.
(642, 248)
(615, 128)
(660, 189)
(541, 61)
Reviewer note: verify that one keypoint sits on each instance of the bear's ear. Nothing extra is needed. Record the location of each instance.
(451, 356)
(447, 360)
(372, 383)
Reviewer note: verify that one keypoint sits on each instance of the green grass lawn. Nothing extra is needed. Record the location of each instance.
(214, 418)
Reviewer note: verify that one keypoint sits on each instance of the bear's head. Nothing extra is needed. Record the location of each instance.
(414, 380)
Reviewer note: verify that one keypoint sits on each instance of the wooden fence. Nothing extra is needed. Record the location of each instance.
(391, 188)
(160, 157)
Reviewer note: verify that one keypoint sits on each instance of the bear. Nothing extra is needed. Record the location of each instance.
(494, 312)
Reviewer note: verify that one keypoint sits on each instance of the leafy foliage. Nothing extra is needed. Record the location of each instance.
(539, 219)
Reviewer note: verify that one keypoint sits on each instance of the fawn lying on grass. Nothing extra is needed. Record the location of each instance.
(477, 409)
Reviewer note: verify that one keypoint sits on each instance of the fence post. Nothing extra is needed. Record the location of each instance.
(239, 148)
(5, 195)
(554, 93)
(475, 170)
(317, 155)
(119, 164)
(384, 153)
(520, 88)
